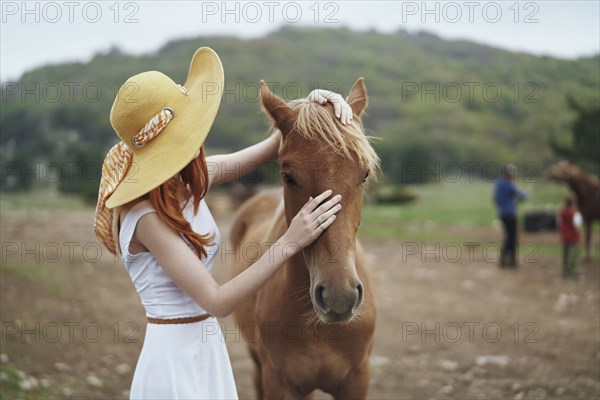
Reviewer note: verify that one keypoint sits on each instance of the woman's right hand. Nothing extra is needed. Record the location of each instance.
(311, 220)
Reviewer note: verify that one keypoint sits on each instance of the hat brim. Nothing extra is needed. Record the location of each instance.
(175, 147)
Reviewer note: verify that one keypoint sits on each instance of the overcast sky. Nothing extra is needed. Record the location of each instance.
(37, 33)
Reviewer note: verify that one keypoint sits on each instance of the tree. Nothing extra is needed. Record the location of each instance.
(584, 149)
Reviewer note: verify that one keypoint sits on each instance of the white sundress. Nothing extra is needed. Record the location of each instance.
(178, 361)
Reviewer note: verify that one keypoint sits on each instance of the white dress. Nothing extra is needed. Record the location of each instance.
(178, 361)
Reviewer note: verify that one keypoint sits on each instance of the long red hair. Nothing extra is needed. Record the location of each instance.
(193, 182)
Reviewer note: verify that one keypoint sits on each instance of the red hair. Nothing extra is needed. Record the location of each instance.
(193, 182)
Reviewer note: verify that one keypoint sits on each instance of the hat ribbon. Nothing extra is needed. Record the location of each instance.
(115, 167)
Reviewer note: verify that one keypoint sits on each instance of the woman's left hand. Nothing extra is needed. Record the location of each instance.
(342, 109)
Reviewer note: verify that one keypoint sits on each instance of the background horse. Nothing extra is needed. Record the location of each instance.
(311, 325)
(587, 191)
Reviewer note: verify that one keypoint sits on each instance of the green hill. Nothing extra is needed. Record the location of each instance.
(432, 101)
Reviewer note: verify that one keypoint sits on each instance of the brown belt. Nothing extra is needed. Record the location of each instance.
(185, 320)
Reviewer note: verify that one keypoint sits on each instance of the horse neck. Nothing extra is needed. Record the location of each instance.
(581, 186)
(586, 191)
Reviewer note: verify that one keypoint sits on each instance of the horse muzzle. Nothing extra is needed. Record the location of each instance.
(337, 304)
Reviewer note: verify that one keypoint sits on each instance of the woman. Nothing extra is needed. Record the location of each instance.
(152, 213)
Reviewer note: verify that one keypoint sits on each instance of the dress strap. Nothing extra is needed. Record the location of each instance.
(130, 224)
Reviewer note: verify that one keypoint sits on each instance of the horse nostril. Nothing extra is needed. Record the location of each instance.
(319, 297)
(359, 288)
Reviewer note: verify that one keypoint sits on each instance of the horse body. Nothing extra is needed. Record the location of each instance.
(587, 192)
(311, 325)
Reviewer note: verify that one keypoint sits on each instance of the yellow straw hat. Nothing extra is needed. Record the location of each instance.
(161, 125)
(141, 98)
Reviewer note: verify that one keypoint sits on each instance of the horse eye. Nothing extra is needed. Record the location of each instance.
(288, 179)
(366, 176)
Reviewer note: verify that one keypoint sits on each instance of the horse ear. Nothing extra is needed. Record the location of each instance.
(357, 98)
(276, 108)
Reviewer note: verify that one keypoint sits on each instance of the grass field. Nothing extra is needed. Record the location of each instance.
(441, 211)
(445, 204)
(46, 199)
(455, 211)
(466, 204)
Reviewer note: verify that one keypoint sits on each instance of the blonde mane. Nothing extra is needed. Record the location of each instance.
(318, 122)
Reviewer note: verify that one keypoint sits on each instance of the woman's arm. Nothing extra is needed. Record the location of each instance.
(229, 167)
(521, 194)
(187, 271)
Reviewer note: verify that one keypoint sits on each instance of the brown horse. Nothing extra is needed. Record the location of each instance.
(587, 191)
(311, 326)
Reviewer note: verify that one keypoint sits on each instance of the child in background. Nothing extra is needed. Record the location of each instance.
(569, 221)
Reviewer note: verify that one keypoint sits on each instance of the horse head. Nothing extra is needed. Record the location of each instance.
(318, 153)
(562, 171)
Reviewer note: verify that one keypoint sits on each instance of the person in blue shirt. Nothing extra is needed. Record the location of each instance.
(506, 195)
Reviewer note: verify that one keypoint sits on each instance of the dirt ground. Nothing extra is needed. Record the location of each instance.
(449, 325)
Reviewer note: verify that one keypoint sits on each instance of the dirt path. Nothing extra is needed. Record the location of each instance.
(448, 327)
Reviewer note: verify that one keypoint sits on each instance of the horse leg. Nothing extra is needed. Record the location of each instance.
(257, 375)
(588, 241)
(355, 385)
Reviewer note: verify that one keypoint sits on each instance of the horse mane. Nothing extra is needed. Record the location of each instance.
(318, 122)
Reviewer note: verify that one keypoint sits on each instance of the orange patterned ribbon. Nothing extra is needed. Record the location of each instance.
(153, 127)
(115, 168)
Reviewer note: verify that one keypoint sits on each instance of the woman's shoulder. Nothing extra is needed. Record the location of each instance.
(133, 207)
(130, 215)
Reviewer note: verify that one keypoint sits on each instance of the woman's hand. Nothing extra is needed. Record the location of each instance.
(342, 110)
(311, 220)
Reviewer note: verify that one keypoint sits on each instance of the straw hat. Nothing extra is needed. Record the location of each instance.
(194, 108)
(161, 125)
